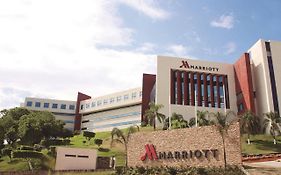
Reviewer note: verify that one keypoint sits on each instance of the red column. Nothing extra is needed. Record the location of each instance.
(179, 92)
(78, 116)
(218, 91)
(172, 85)
(205, 90)
(192, 88)
(186, 100)
(212, 90)
(226, 91)
(199, 96)
(148, 81)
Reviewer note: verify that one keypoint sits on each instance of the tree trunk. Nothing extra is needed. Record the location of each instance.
(248, 140)
(126, 160)
(274, 141)
(154, 123)
(224, 154)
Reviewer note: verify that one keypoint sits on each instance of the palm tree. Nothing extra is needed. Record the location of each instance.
(222, 124)
(153, 113)
(201, 118)
(249, 124)
(118, 136)
(272, 122)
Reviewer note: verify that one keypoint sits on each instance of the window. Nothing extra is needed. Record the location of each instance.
(105, 101)
(46, 105)
(29, 103)
(111, 100)
(134, 95)
(267, 46)
(85, 121)
(140, 94)
(240, 107)
(87, 105)
(37, 104)
(118, 98)
(82, 107)
(55, 106)
(63, 106)
(99, 103)
(126, 97)
(93, 104)
(71, 107)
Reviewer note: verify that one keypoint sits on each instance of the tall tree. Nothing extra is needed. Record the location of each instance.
(118, 136)
(272, 122)
(222, 124)
(249, 124)
(153, 114)
(10, 120)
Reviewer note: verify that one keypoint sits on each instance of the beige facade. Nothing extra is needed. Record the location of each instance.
(261, 74)
(163, 85)
(75, 159)
(121, 110)
(188, 147)
(62, 109)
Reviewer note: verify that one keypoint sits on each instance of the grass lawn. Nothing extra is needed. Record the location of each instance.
(260, 144)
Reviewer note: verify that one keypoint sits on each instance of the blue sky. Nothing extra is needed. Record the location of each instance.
(55, 48)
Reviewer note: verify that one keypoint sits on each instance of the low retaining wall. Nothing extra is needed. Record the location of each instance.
(198, 146)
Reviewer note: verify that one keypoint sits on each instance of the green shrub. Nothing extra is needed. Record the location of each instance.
(24, 147)
(27, 154)
(52, 151)
(38, 147)
(48, 143)
(98, 142)
(7, 152)
(230, 170)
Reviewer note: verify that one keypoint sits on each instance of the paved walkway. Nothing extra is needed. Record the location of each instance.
(264, 168)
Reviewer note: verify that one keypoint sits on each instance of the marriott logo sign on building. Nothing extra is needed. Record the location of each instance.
(185, 64)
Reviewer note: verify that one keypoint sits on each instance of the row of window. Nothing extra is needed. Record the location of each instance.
(113, 125)
(98, 119)
(110, 100)
(48, 105)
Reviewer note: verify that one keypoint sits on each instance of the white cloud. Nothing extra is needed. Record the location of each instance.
(146, 47)
(230, 48)
(178, 49)
(148, 8)
(51, 49)
(224, 21)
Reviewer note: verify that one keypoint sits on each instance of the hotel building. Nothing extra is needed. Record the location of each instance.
(182, 86)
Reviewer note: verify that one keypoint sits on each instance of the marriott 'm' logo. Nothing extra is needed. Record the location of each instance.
(184, 64)
(149, 152)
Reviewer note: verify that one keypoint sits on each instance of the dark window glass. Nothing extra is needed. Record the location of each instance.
(71, 107)
(85, 121)
(37, 104)
(29, 103)
(46, 105)
(55, 106)
(267, 46)
(82, 107)
(63, 106)
(240, 107)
